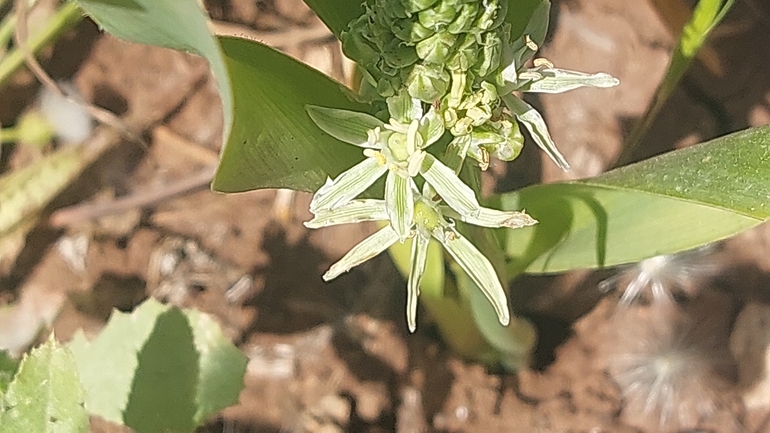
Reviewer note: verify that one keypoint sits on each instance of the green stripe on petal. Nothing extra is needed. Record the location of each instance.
(493, 218)
(419, 259)
(399, 202)
(478, 267)
(354, 211)
(432, 127)
(455, 193)
(534, 122)
(562, 80)
(347, 186)
(349, 126)
(365, 250)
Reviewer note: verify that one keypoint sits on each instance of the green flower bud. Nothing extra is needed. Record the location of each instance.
(488, 93)
(33, 129)
(403, 107)
(440, 16)
(412, 6)
(427, 84)
(465, 17)
(501, 139)
(490, 55)
(437, 48)
(450, 117)
(410, 31)
(493, 15)
(465, 56)
(356, 46)
(386, 87)
(462, 127)
(389, 8)
(458, 89)
(479, 114)
(398, 55)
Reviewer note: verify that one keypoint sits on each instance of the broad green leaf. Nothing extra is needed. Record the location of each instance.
(162, 394)
(529, 17)
(705, 17)
(336, 14)
(46, 395)
(670, 203)
(221, 368)
(176, 24)
(273, 142)
(159, 369)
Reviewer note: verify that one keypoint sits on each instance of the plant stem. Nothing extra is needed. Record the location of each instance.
(7, 25)
(64, 19)
(9, 135)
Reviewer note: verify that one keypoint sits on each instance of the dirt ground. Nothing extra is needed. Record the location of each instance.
(337, 357)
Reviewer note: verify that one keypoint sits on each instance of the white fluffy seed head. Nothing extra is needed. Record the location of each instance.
(69, 120)
(671, 365)
(658, 279)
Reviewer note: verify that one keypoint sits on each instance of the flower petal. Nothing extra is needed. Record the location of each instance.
(455, 193)
(365, 250)
(536, 126)
(419, 258)
(399, 202)
(349, 126)
(347, 186)
(403, 107)
(431, 127)
(354, 211)
(561, 80)
(493, 218)
(479, 269)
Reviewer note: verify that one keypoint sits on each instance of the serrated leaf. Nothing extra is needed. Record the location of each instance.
(670, 203)
(163, 396)
(8, 368)
(107, 364)
(221, 370)
(159, 369)
(46, 395)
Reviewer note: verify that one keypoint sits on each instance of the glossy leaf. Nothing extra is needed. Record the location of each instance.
(159, 369)
(664, 205)
(46, 395)
(273, 141)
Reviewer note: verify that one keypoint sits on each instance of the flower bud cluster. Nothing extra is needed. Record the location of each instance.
(423, 45)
